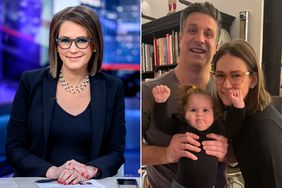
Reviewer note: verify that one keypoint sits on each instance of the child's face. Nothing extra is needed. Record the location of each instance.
(199, 113)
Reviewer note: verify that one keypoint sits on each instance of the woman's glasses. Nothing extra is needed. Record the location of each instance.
(234, 78)
(80, 42)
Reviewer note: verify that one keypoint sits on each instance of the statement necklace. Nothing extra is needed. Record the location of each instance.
(71, 88)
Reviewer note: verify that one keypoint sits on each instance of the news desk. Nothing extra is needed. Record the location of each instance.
(109, 182)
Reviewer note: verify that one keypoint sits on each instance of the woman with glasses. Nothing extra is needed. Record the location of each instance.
(67, 121)
(257, 144)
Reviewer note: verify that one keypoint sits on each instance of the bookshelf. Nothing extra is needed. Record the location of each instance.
(159, 28)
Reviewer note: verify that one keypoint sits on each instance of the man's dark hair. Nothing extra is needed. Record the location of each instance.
(205, 8)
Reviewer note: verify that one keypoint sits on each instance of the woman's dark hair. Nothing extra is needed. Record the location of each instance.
(257, 98)
(89, 20)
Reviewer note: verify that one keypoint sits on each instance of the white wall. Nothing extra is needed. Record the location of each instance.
(160, 8)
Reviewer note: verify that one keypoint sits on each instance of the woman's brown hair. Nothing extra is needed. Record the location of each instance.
(257, 98)
(88, 19)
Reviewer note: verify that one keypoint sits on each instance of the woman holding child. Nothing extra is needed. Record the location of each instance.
(257, 144)
(253, 125)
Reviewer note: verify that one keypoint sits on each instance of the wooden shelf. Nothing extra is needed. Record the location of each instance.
(148, 74)
(158, 28)
(151, 74)
(165, 67)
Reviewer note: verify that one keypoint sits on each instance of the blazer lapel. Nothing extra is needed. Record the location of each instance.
(98, 112)
(49, 99)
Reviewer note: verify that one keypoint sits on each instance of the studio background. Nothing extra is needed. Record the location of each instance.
(24, 36)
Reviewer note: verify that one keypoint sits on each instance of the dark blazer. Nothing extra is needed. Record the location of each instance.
(30, 122)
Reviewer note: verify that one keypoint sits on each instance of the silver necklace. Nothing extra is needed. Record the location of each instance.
(71, 88)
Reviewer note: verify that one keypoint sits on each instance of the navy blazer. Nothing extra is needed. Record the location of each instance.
(31, 116)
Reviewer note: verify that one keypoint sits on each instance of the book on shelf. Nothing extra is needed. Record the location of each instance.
(147, 57)
(163, 52)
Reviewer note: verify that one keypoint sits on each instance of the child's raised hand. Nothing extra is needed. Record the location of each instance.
(161, 93)
(236, 98)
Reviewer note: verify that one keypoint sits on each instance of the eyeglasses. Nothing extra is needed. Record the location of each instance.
(234, 78)
(80, 42)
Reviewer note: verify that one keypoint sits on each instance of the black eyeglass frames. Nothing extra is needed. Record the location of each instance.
(80, 42)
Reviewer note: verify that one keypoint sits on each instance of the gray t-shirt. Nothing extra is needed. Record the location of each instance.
(161, 175)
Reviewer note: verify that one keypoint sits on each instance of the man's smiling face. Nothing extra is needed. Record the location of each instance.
(198, 39)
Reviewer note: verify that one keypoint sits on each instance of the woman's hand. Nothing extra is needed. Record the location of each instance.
(86, 171)
(76, 172)
(54, 172)
(70, 177)
(216, 147)
(72, 172)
